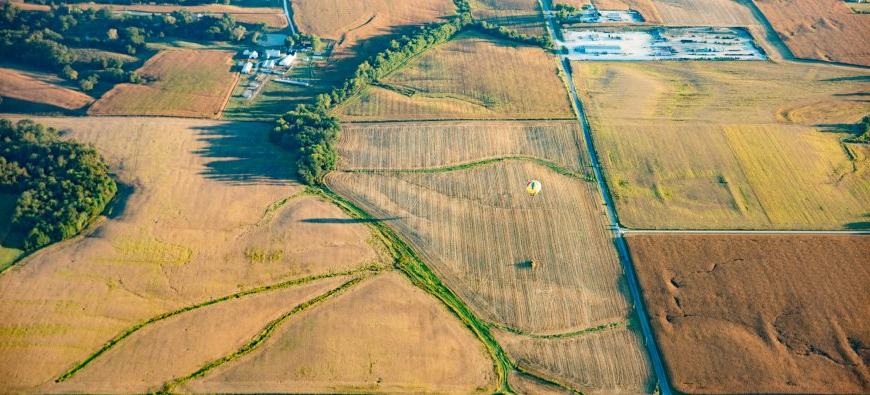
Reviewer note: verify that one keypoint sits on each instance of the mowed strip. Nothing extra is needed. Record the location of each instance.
(471, 77)
(729, 145)
(181, 83)
(761, 313)
(24, 86)
(820, 29)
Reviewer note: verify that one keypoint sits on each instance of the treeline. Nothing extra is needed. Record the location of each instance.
(512, 35)
(862, 129)
(130, 2)
(311, 133)
(54, 40)
(61, 185)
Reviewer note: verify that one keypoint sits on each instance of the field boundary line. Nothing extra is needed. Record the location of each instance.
(561, 335)
(857, 232)
(478, 163)
(261, 289)
(436, 120)
(263, 335)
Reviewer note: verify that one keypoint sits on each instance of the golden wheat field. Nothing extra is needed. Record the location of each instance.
(421, 145)
(33, 88)
(728, 144)
(184, 83)
(471, 77)
(207, 209)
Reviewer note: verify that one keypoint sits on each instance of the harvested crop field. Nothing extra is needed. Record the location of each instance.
(727, 13)
(471, 77)
(182, 83)
(523, 16)
(820, 29)
(28, 87)
(207, 209)
(180, 345)
(479, 230)
(384, 335)
(421, 145)
(729, 144)
(761, 313)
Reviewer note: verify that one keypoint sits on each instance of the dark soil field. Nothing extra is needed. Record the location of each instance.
(761, 313)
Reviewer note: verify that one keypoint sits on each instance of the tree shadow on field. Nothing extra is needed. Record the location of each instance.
(348, 220)
(240, 153)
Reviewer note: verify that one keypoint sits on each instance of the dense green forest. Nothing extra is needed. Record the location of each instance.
(311, 133)
(61, 185)
(48, 40)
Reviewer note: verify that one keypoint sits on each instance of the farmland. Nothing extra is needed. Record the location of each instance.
(820, 29)
(206, 212)
(29, 87)
(189, 83)
(523, 16)
(471, 77)
(705, 13)
(479, 232)
(770, 314)
(740, 116)
(411, 344)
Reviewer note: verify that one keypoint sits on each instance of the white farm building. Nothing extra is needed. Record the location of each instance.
(287, 60)
(247, 68)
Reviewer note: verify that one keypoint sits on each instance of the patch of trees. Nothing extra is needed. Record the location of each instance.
(303, 40)
(61, 185)
(862, 129)
(52, 40)
(311, 133)
(130, 2)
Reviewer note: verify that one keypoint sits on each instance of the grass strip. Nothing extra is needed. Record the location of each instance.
(262, 336)
(133, 329)
(421, 276)
(594, 329)
(470, 165)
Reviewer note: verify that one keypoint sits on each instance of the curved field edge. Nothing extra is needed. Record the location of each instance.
(266, 288)
(409, 263)
(561, 335)
(264, 334)
(478, 163)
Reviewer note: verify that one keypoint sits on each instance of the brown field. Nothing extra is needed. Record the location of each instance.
(413, 145)
(645, 7)
(471, 77)
(384, 335)
(612, 361)
(705, 13)
(205, 214)
(28, 87)
(820, 29)
(182, 344)
(521, 15)
(760, 314)
(729, 144)
(183, 83)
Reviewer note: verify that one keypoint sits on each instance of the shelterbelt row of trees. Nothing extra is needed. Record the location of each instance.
(52, 40)
(312, 132)
(61, 185)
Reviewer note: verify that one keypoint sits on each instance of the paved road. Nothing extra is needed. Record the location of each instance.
(621, 246)
(289, 17)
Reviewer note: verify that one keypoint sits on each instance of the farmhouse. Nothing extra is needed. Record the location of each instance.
(247, 68)
(253, 55)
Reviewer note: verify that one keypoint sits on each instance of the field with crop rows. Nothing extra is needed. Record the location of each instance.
(205, 210)
(185, 83)
(30, 88)
(480, 231)
(471, 77)
(705, 13)
(729, 145)
(385, 335)
(523, 16)
(421, 145)
(760, 313)
(820, 29)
